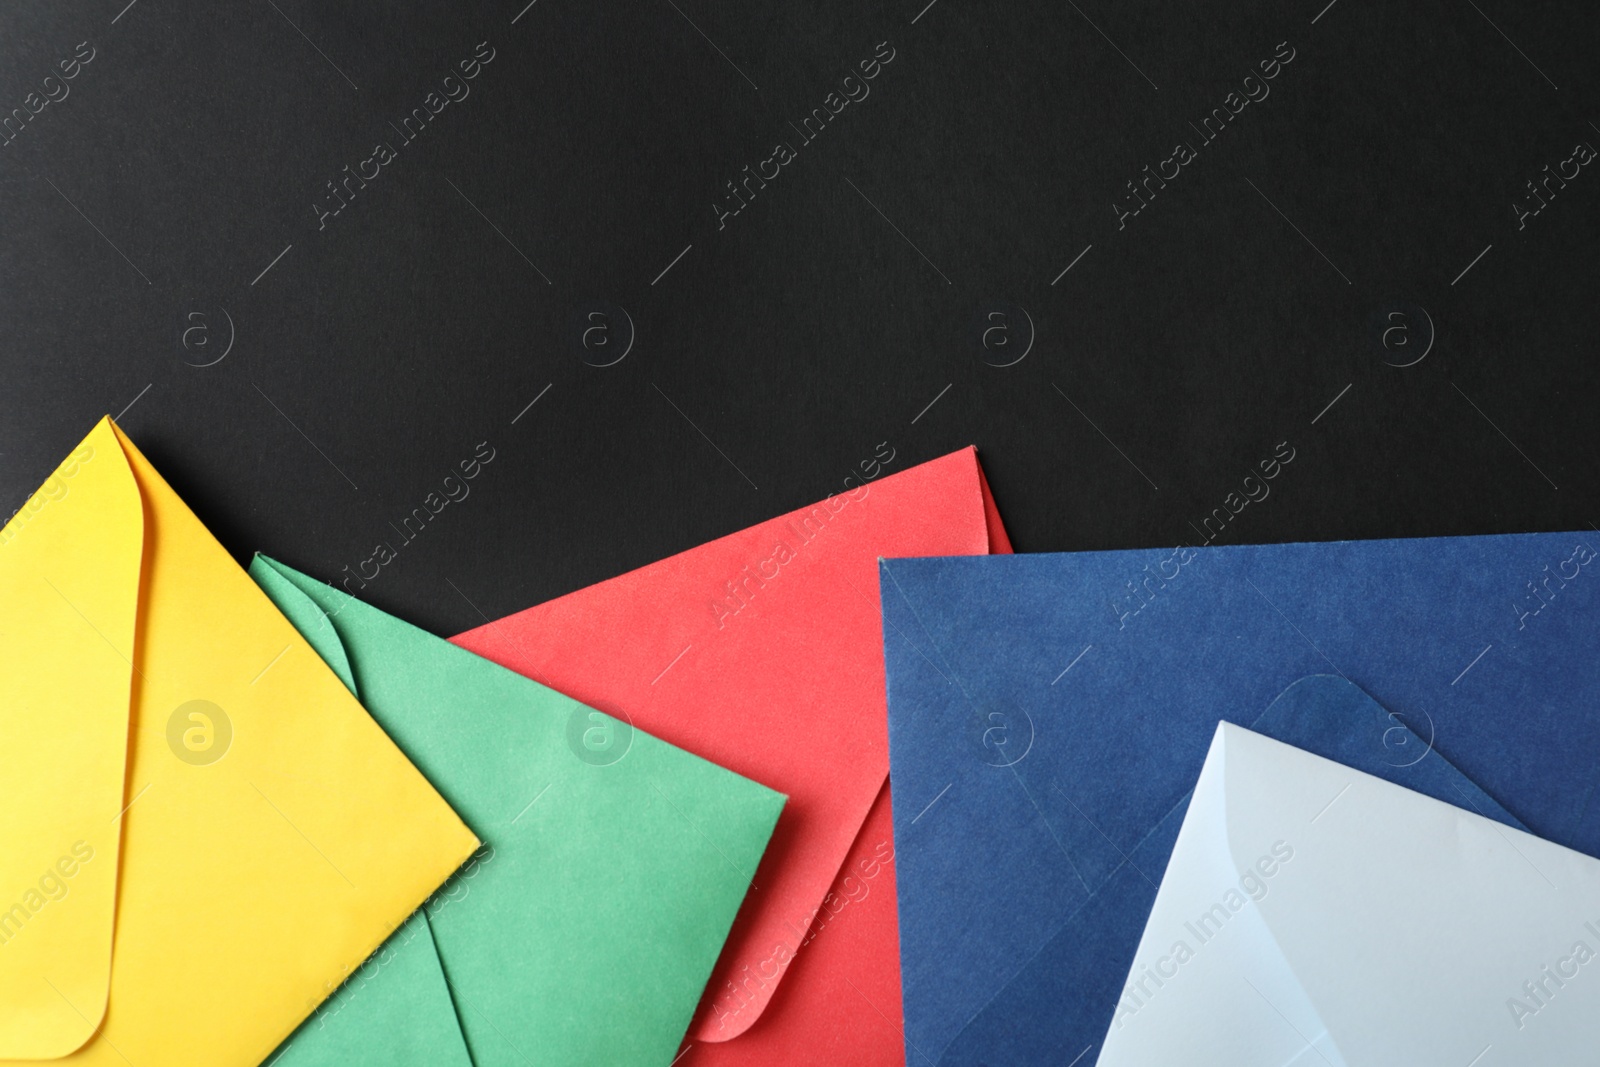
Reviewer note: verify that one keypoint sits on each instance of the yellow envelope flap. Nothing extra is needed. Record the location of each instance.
(205, 833)
(70, 563)
(276, 836)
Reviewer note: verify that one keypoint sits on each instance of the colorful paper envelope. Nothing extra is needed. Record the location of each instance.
(760, 652)
(613, 866)
(204, 831)
(1079, 978)
(1312, 913)
(1048, 713)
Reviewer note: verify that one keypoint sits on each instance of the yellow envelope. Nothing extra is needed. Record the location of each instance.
(201, 832)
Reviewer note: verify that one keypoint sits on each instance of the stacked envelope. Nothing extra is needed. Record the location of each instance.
(1284, 804)
(262, 820)
(1309, 804)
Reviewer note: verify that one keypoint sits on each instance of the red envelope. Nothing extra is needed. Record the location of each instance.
(762, 651)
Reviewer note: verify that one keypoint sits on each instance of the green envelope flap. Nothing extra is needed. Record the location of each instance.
(307, 616)
(395, 1008)
(614, 862)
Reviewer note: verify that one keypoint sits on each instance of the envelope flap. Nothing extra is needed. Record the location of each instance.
(999, 540)
(614, 865)
(307, 615)
(70, 564)
(1210, 896)
(1062, 1000)
(396, 1008)
(1311, 907)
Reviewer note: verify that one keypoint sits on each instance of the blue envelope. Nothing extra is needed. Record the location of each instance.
(1049, 714)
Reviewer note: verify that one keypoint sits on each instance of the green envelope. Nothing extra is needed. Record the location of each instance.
(583, 931)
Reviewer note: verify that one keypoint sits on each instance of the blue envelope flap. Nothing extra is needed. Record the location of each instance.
(1331, 717)
(1060, 1004)
(1047, 711)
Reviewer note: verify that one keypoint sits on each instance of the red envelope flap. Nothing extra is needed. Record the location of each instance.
(999, 540)
(840, 1002)
(762, 651)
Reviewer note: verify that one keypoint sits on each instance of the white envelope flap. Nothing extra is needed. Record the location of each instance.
(1315, 915)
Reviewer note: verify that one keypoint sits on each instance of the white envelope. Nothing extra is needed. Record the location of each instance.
(1317, 916)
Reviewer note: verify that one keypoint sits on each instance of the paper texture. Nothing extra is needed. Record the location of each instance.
(760, 652)
(613, 863)
(1312, 913)
(205, 832)
(1048, 712)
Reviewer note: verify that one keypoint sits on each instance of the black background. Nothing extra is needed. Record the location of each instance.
(779, 351)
